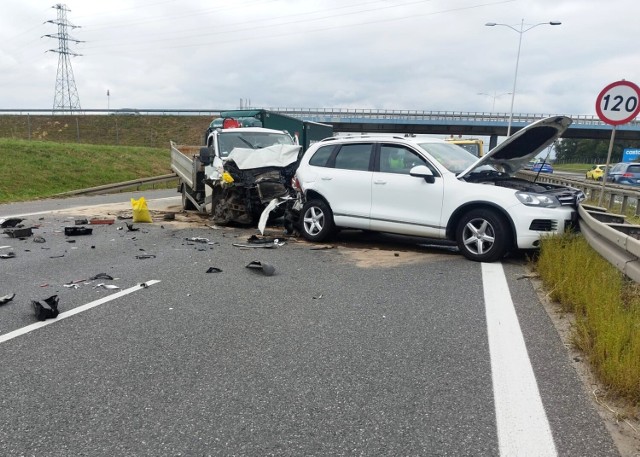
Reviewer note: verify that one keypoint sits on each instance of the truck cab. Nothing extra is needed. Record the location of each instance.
(474, 145)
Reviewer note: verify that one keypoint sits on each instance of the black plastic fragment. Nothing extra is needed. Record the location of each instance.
(266, 268)
(131, 228)
(8, 255)
(101, 276)
(10, 222)
(81, 221)
(46, 309)
(22, 232)
(6, 299)
(145, 256)
(214, 270)
(77, 231)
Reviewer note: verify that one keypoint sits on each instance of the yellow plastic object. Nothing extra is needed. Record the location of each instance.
(140, 211)
(226, 177)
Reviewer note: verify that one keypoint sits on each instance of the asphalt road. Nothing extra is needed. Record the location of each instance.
(379, 346)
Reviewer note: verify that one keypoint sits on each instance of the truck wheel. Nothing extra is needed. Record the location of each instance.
(316, 223)
(186, 203)
(483, 235)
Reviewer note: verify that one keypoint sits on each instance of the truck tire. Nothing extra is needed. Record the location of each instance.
(186, 203)
(483, 235)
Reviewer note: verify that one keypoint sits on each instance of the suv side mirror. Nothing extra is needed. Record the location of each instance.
(422, 171)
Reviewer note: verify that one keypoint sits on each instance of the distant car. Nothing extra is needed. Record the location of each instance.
(542, 168)
(625, 173)
(596, 172)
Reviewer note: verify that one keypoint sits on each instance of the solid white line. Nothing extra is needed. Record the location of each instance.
(74, 311)
(523, 428)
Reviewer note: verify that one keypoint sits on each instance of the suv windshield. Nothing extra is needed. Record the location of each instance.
(229, 140)
(452, 157)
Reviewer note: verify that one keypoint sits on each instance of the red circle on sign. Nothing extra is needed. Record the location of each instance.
(606, 114)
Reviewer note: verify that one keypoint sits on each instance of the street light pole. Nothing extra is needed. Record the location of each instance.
(494, 96)
(520, 32)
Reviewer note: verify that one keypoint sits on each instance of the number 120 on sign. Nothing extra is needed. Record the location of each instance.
(618, 103)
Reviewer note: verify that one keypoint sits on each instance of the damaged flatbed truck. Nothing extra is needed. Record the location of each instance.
(240, 171)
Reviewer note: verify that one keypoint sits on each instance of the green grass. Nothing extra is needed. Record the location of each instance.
(34, 169)
(606, 306)
(148, 130)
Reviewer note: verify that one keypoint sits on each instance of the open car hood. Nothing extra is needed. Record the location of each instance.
(514, 153)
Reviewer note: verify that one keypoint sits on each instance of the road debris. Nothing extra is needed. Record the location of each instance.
(77, 231)
(19, 232)
(81, 221)
(71, 286)
(46, 309)
(6, 299)
(39, 239)
(145, 256)
(319, 297)
(98, 221)
(101, 276)
(8, 255)
(214, 270)
(10, 222)
(266, 268)
(131, 228)
(197, 239)
(106, 286)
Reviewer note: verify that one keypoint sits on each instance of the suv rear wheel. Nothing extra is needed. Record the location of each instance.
(316, 223)
(483, 235)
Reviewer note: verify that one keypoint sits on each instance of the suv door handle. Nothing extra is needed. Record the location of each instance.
(379, 181)
(326, 178)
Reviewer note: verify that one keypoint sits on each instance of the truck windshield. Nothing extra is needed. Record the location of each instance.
(229, 140)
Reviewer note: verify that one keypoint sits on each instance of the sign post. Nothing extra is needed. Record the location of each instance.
(617, 104)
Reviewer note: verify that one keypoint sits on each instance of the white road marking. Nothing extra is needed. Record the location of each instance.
(523, 428)
(74, 311)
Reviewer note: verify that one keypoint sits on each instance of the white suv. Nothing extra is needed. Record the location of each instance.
(430, 188)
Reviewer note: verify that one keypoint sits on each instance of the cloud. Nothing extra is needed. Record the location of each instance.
(385, 54)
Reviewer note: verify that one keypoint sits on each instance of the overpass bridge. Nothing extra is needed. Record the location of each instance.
(454, 123)
(402, 122)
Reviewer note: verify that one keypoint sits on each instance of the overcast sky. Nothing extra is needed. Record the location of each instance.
(380, 54)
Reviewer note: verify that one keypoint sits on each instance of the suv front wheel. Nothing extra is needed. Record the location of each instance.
(316, 221)
(483, 235)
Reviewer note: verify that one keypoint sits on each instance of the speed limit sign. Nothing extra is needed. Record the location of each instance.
(618, 103)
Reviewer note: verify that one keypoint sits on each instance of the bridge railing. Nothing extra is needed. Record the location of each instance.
(344, 113)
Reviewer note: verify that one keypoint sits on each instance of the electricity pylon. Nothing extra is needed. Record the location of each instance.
(66, 94)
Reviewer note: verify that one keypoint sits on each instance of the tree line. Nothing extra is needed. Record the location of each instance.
(590, 151)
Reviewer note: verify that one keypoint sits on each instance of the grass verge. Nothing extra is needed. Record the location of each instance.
(606, 306)
(36, 169)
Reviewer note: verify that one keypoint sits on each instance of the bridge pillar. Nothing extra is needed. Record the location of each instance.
(493, 141)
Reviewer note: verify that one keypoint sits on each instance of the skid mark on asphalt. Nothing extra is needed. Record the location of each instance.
(523, 428)
(74, 311)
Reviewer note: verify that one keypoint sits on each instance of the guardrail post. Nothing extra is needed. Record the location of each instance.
(612, 200)
(625, 201)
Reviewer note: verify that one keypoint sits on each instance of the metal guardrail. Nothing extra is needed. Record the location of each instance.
(607, 233)
(615, 241)
(119, 186)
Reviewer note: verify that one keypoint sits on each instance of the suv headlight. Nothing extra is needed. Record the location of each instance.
(533, 199)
